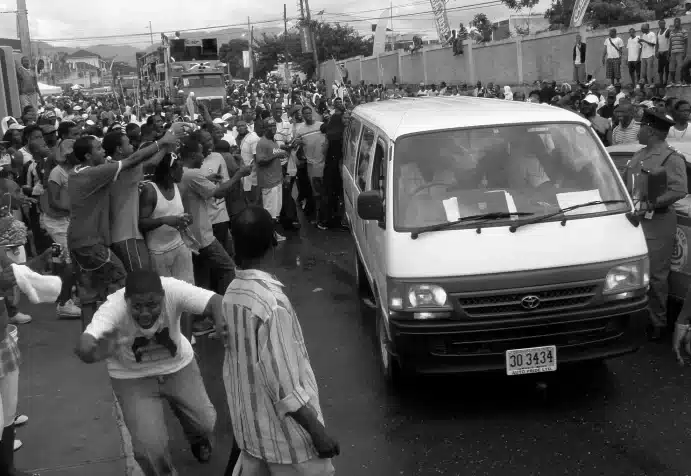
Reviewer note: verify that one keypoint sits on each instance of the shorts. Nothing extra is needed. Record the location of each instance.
(133, 254)
(99, 273)
(613, 68)
(272, 198)
(57, 230)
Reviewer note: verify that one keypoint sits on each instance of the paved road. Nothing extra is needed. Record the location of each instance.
(630, 417)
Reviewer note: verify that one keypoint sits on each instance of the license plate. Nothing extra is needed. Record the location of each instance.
(531, 360)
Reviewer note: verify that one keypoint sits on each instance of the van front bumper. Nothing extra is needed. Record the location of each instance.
(459, 345)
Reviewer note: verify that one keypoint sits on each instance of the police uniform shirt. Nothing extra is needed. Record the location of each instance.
(653, 157)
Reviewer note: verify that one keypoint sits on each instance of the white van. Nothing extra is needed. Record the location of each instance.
(491, 235)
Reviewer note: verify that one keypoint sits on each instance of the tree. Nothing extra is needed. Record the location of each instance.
(484, 26)
(231, 54)
(333, 41)
(518, 5)
(609, 13)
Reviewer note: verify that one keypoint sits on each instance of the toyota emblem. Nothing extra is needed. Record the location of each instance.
(530, 302)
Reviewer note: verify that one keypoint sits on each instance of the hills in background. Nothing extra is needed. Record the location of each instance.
(126, 53)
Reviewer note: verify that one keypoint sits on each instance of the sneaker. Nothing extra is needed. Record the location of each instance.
(279, 237)
(68, 310)
(202, 328)
(18, 444)
(202, 450)
(20, 318)
(21, 420)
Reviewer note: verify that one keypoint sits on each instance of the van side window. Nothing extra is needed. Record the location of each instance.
(364, 156)
(353, 136)
(379, 167)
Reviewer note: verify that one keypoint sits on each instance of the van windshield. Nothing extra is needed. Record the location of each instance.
(533, 169)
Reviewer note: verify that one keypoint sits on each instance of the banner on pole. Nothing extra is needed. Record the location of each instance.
(441, 21)
(305, 38)
(245, 59)
(579, 9)
(380, 33)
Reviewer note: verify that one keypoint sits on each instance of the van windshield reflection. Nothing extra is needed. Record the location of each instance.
(441, 177)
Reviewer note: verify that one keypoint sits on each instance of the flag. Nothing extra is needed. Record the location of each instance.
(441, 21)
(579, 9)
(380, 33)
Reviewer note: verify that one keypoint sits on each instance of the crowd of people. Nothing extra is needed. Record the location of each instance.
(134, 200)
(136, 196)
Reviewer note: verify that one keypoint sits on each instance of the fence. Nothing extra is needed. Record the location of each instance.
(515, 61)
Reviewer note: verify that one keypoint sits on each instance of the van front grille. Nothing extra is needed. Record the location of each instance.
(528, 302)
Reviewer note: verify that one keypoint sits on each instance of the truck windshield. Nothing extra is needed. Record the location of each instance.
(203, 81)
(534, 169)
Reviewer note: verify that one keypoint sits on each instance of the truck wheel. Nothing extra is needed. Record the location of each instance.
(391, 368)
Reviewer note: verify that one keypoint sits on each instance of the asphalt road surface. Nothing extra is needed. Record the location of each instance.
(628, 417)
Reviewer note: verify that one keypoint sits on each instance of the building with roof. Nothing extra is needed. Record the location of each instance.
(82, 57)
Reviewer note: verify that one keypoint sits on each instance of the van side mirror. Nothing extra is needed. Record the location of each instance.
(370, 206)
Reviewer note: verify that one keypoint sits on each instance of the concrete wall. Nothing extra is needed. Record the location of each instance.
(515, 61)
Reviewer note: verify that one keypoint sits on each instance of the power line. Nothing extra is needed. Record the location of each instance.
(128, 35)
(489, 3)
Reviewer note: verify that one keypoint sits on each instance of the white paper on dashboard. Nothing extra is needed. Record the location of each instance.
(569, 199)
(451, 209)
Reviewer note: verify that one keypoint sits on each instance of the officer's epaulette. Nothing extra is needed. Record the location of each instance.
(674, 149)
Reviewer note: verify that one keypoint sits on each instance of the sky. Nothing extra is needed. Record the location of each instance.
(51, 20)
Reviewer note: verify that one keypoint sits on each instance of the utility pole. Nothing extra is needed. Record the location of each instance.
(285, 43)
(315, 56)
(250, 33)
(23, 28)
(151, 31)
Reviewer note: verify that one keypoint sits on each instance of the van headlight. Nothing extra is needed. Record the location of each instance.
(424, 301)
(628, 277)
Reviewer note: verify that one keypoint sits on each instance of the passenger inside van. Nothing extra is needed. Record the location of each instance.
(533, 165)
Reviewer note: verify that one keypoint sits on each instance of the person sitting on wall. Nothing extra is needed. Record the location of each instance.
(417, 44)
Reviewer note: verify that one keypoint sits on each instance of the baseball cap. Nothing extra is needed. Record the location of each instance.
(226, 116)
(591, 99)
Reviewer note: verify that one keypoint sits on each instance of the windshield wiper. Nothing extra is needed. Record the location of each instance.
(561, 211)
(484, 216)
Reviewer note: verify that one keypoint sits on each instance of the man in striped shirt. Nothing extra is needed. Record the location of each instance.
(626, 131)
(271, 388)
(677, 47)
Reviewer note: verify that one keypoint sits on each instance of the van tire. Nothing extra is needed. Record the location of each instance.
(390, 366)
(362, 286)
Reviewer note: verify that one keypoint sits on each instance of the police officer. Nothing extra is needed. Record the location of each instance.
(659, 219)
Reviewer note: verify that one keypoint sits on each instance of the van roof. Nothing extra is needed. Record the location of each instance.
(398, 117)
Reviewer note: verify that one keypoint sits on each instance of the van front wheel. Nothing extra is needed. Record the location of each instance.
(364, 291)
(391, 368)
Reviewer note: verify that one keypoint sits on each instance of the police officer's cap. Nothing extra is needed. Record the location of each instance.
(657, 120)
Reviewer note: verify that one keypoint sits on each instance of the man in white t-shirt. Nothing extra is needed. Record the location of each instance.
(648, 40)
(612, 56)
(150, 362)
(633, 48)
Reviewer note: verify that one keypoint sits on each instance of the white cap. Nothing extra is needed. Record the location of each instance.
(90, 123)
(228, 115)
(591, 99)
(218, 120)
(77, 108)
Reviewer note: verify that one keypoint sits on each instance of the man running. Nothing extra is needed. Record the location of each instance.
(150, 362)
